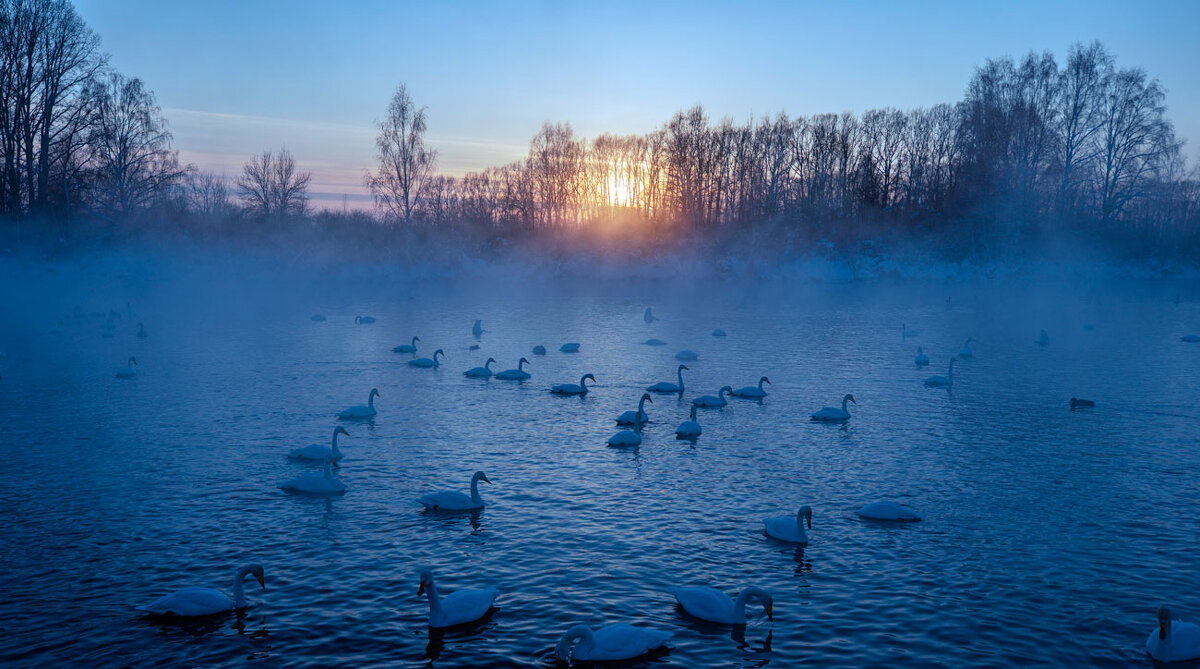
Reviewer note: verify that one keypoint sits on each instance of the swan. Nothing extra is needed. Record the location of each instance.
(1191, 339)
(965, 352)
(457, 608)
(611, 642)
(888, 511)
(317, 318)
(141, 333)
(518, 374)
(364, 320)
(1043, 339)
(689, 429)
(571, 388)
(649, 316)
(752, 392)
(1077, 403)
(834, 414)
(718, 333)
(667, 386)
(1174, 640)
(630, 417)
(905, 333)
(477, 328)
(319, 452)
(717, 607)
(539, 350)
(315, 484)
(789, 528)
(194, 601)
(359, 411)
(129, 371)
(428, 362)
(407, 348)
(687, 355)
(481, 372)
(654, 342)
(710, 401)
(938, 381)
(628, 438)
(570, 347)
(452, 500)
(922, 360)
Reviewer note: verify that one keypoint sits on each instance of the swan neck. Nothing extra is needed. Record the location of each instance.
(760, 382)
(845, 404)
(475, 491)
(435, 600)
(641, 405)
(679, 375)
(371, 401)
(334, 448)
(239, 592)
(739, 606)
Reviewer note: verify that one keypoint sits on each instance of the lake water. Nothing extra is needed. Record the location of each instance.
(1049, 538)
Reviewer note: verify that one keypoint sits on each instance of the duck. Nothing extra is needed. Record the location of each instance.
(364, 320)
(407, 348)
(518, 374)
(129, 371)
(318, 452)
(427, 362)
(458, 608)
(789, 528)
(452, 500)
(358, 411)
(323, 484)
(654, 342)
(834, 414)
(649, 316)
(570, 347)
(573, 389)
(687, 355)
(965, 352)
(628, 438)
(715, 606)
(689, 429)
(1173, 640)
(921, 360)
(667, 386)
(539, 350)
(939, 381)
(195, 601)
(753, 392)
(630, 417)
(888, 511)
(611, 642)
(718, 333)
(481, 372)
(713, 401)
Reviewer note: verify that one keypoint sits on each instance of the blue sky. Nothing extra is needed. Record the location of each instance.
(238, 77)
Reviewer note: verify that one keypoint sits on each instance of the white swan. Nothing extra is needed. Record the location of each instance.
(1043, 339)
(570, 347)
(689, 429)
(965, 352)
(457, 608)
(477, 328)
(611, 642)
(364, 320)
(649, 317)
(358, 411)
(141, 333)
(518, 374)
(407, 348)
(452, 500)
(628, 438)
(630, 417)
(481, 372)
(921, 360)
(667, 386)
(752, 392)
(323, 484)
(687, 355)
(319, 452)
(939, 381)
(717, 607)
(539, 350)
(571, 388)
(834, 414)
(195, 601)
(905, 333)
(789, 528)
(129, 371)
(1174, 640)
(711, 401)
(718, 333)
(427, 363)
(888, 511)
(654, 342)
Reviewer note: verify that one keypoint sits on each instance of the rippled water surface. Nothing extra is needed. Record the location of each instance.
(1050, 535)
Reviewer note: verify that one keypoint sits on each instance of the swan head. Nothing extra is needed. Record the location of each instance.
(340, 430)
(805, 514)
(576, 633)
(375, 393)
(132, 361)
(480, 476)
(764, 380)
(725, 389)
(585, 377)
(849, 398)
(683, 367)
(646, 398)
(357, 319)
(763, 598)
(1164, 623)
(489, 362)
(523, 360)
(437, 353)
(256, 571)
(920, 351)
(426, 581)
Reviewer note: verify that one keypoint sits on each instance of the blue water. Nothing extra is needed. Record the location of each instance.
(1050, 536)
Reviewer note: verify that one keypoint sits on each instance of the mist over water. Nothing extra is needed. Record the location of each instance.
(1048, 534)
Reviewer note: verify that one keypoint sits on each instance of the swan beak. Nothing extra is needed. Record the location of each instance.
(486, 480)
(1162, 631)
(261, 581)
(421, 590)
(771, 613)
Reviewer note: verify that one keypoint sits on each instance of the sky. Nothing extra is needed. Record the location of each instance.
(235, 78)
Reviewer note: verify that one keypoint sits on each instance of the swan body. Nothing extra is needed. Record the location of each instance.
(572, 388)
(319, 452)
(712, 401)
(789, 528)
(631, 417)
(687, 355)
(518, 374)
(667, 386)
(753, 392)
(427, 363)
(834, 414)
(1173, 640)
(323, 484)
(1077, 403)
(407, 348)
(194, 601)
(717, 607)
(611, 642)
(628, 438)
(457, 608)
(481, 372)
(888, 511)
(364, 320)
(689, 429)
(654, 342)
(539, 350)
(317, 318)
(1191, 339)
(129, 371)
(965, 352)
(477, 328)
(452, 500)
(718, 333)
(358, 411)
(938, 381)
(921, 360)
(571, 347)
(649, 316)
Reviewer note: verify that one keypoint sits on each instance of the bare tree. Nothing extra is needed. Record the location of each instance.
(208, 195)
(405, 165)
(271, 187)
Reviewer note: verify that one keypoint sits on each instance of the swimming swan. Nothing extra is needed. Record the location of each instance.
(323, 484)
(789, 528)
(611, 642)
(711, 401)
(649, 317)
(319, 452)
(717, 607)
(667, 386)
(477, 328)
(129, 371)
(630, 417)
(965, 352)
(457, 608)
(834, 414)
(628, 438)
(427, 363)
(888, 511)
(452, 500)
(571, 388)
(654, 342)
(364, 320)
(1174, 640)
(938, 381)
(194, 601)
(518, 374)
(922, 360)
(571, 347)
(687, 355)
(752, 392)
(481, 372)
(689, 429)
(407, 348)
(358, 411)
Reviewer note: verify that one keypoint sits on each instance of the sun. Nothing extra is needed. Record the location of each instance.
(620, 191)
